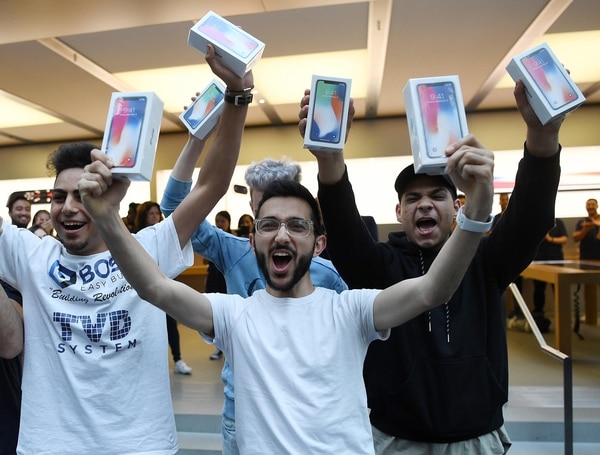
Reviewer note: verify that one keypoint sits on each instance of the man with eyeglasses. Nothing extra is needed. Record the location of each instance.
(287, 399)
(233, 255)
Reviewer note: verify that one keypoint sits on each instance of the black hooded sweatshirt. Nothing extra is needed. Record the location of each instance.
(449, 382)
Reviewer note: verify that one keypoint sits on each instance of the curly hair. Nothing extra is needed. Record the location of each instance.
(259, 175)
(68, 156)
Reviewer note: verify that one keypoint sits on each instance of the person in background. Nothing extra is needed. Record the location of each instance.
(551, 249)
(38, 230)
(96, 368)
(438, 385)
(587, 232)
(149, 214)
(462, 200)
(11, 366)
(245, 225)
(233, 255)
(215, 281)
(42, 219)
(19, 210)
(129, 220)
(290, 400)
(503, 201)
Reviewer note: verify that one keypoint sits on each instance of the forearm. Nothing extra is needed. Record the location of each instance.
(542, 141)
(215, 174)
(11, 327)
(559, 240)
(409, 298)
(331, 167)
(579, 235)
(188, 159)
(138, 267)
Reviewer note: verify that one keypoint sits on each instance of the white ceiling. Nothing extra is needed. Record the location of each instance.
(66, 57)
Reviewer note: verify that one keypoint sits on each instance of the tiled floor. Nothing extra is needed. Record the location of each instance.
(536, 380)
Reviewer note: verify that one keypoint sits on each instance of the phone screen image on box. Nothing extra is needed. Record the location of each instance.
(440, 116)
(327, 113)
(549, 78)
(228, 36)
(126, 130)
(203, 106)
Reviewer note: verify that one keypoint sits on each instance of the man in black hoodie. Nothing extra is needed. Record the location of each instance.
(440, 381)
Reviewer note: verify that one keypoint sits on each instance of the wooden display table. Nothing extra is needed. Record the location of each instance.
(563, 274)
(195, 276)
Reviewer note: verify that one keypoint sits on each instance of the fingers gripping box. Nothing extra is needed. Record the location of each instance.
(550, 89)
(203, 114)
(327, 113)
(436, 118)
(238, 50)
(131, 133)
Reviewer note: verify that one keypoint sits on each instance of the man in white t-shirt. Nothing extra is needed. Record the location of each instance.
(287, 399)
(96, 378)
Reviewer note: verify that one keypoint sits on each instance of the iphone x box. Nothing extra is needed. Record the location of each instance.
(327, 113)
(238, 50)
(436, 118)
(550, 89)
(203, 114)
(131, 133)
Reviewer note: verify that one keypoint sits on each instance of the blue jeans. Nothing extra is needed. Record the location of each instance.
(228, 432)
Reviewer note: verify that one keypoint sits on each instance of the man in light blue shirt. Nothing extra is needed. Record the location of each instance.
(233, 255)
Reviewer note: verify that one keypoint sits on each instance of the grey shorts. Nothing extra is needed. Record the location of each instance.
(495, 443)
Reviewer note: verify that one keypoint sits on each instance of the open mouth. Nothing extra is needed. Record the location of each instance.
(281, 260)
(426, 225)
(72, 225)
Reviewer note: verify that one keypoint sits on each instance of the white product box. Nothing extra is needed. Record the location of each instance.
(131, 133)
(203, 114)
(328, 113)
(550, 89)
(436, 118)
(238, 50)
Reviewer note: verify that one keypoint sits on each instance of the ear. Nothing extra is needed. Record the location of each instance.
(456, 206)
(399, 213)
(320, 245)
(251, 237)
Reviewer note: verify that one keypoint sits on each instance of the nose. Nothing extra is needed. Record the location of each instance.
(425, 204)
(282, 233)
(71, 205)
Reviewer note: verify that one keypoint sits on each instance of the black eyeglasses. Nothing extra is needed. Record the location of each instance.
(296, 227)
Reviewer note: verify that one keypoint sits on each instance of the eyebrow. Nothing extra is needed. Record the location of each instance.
(434, 192)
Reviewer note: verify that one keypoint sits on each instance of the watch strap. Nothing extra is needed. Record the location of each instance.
(467, 224)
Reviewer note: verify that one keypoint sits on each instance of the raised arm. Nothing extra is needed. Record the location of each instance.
(101, 195)
(219, 164)
(180, 180)
(11, 326)
(472, 170)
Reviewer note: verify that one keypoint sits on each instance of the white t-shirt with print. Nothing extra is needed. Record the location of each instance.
(95, 378)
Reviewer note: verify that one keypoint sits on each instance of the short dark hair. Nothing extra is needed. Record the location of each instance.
(291, 188)
(68, 156)
(14, 197)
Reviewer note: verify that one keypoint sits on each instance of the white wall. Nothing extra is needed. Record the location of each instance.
(373, 181)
